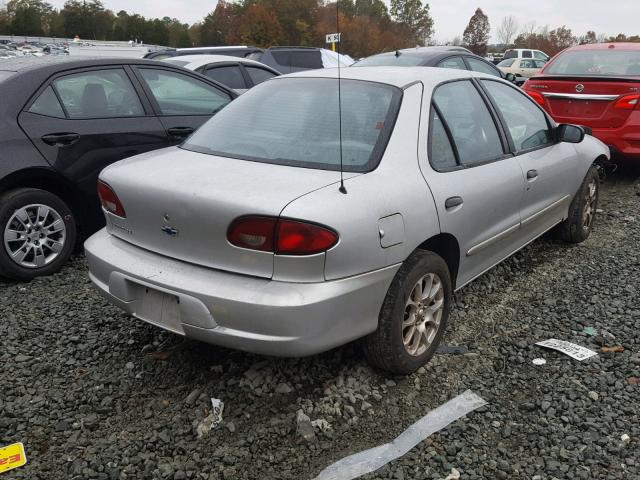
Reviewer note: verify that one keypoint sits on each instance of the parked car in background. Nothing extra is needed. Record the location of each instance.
(598, 86)
(240, 74)
(242, 237)
(63, 120)
(297, 59)
(443, 57)
(525, 53)
(521, 68)
(237, 51)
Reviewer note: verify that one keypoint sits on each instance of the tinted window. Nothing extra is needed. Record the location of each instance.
(306, 59)
(453, 62)
(230, 76)
(510, 54)
(258, 75)
(295, 122)
(47, 104)
(596, 62)
(441, 153)
(99, 94)
(526, 123)
(469, 122)
(482, 67)
(179, 94)
(390, 60)
(527, 54)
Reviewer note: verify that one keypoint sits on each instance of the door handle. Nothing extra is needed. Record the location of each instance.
(61, 139)
(180, 131)
(532, 174)
(452, 202)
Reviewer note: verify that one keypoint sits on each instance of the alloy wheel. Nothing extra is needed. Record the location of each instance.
(422, 314)
(34, 236)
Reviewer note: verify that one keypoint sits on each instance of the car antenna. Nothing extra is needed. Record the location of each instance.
(342, 188)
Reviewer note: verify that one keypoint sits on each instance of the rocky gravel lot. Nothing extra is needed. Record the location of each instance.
(94, 394)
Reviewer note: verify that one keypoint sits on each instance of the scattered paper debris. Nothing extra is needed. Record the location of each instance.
(454, 475)
(614, 349)
(12, 456)
(576, 352)
(367, 461)
(539, 361)
(590, 331)
(321, 424)
(211, 420)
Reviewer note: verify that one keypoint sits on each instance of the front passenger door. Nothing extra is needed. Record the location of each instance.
(183, 103)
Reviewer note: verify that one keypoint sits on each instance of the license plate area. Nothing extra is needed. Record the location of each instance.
(579, 108)
(159, 308)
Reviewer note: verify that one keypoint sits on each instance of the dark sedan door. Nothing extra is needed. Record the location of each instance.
(182, 101)
(85, 120)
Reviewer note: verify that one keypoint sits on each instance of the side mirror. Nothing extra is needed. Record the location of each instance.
(570, 133)
(510, 77)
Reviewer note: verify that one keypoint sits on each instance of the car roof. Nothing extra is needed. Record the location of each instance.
(195, 61)
(400, 77)
(606, 46)
(427, 51)
(55, 63)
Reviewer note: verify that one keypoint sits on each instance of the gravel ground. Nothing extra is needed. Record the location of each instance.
(94, 394)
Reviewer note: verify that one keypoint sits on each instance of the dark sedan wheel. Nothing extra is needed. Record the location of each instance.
(414, 315)
(38, 233)
(577, 227)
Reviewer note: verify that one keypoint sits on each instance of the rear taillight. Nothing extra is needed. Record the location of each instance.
(280, 236)
(628, 102)
(537, 97)
(109, 200)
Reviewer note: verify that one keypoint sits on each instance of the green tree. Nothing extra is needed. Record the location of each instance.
(476, 35)
(26, 16)
(414, 17)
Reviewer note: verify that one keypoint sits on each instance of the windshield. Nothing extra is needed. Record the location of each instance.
(390, 60)
(294, 121)
(506, 63)
(596, 62)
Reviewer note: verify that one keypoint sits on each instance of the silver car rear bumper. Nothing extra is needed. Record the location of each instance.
(236, 311)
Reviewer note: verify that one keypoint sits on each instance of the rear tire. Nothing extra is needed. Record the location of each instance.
(38, 233)
(582, 211)
(413, 317)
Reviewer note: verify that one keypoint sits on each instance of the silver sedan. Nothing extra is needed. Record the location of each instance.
(247, 237)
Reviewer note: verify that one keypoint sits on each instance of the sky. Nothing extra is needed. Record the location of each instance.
(450, 16)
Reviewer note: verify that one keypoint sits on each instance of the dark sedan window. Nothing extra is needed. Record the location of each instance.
(179, 94)
(231, 76)
(259, 75)
(470, 123)
(482, 67)
(453, 62)
(99, 94)
(47, 104)
(391, 60)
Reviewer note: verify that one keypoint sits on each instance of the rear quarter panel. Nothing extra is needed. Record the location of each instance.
(395, 187)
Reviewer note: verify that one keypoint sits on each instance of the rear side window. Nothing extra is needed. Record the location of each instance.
(231, 76)
(47, 104)
(471, 125)
(179, 94)
(510, 54)
(527, 54)
(453, 62)
(540, 56)
(526, 63)
(295, 122)
(441, 154)
(482, 67)
(526, 123)
(259, 75)
(98, 94)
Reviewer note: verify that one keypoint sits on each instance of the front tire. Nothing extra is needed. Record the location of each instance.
(578, 225)
(38, 233)
(413, 317)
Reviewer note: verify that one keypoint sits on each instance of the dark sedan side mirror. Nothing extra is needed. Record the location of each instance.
(510, 77)
(570, 133)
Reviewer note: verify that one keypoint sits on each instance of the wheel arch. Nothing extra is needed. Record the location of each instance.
(447, 246)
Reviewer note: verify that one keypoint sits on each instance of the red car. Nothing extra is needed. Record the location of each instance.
(597, 86)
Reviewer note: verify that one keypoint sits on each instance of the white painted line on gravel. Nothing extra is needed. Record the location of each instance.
(371, 460)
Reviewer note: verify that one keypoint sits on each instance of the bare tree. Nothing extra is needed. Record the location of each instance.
(601, 38)
(507, 30)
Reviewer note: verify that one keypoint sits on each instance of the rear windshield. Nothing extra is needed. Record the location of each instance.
(596, 62)
(391, 60)
(295, 122)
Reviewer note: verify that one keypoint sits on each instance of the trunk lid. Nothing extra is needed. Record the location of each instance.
(585, 101)
(180, 204)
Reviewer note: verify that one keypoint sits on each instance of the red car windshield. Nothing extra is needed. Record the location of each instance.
(596, 62)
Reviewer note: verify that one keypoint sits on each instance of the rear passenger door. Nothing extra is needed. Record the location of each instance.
(548, 165)
(476, 184)
(182, 102)
(84, 120)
